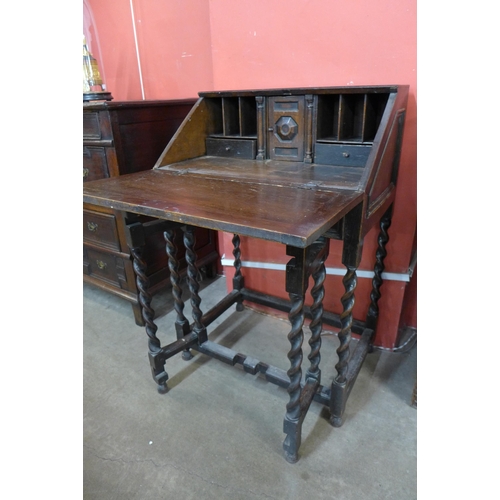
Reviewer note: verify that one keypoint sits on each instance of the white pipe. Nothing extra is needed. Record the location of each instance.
(137, 49)
(329, 270)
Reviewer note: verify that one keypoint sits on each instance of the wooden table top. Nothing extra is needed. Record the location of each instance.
(291, 213)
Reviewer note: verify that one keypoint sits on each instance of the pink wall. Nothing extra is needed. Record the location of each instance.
(313, 43)
(173, 53)
(186, 46)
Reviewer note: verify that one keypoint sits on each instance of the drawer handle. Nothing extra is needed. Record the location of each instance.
(346, 155)
(92, 226)
(101, 265)
(86, 172)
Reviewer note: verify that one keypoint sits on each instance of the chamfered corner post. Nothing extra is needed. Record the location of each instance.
(136, 241)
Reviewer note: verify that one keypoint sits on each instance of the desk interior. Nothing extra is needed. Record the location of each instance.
(271, 172)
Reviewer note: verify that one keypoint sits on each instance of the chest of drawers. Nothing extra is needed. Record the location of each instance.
(121, 138)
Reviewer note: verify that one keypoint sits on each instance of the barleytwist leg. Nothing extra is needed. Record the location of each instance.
(381, 253)
(181, 322)
(316, 325)
(157, 363)
(194, 287)
(296, 336)
(238, 277)
(339, 383)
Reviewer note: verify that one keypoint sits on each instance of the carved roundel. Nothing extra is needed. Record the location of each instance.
(286, 128)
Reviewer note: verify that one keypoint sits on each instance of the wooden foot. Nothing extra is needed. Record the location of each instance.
(162, 388)
(336, 421)
(186, 355)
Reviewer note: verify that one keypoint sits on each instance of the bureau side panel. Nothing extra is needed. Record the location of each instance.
(189, 140)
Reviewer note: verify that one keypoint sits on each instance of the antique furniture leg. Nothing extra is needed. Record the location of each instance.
(181, 323)
(383, 238)
(136, 241)
(298, 271)
(316, 325)
(348, 366)
(339, 384)
(192, 277)
(238, 280)
(296, 285)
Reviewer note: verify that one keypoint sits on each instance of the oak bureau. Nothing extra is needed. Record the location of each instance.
(298, 166)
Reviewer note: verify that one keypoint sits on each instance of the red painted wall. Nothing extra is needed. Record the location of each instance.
(173, 51)
(186, 46)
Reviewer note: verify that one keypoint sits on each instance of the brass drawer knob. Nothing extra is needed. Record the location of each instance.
(92, 226)
(101, 265)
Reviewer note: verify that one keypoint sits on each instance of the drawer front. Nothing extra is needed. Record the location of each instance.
(95, 164)
(91, 126)
(232, 148)
(342, 155)
(96, 126)
(100, 229)
(104, 266)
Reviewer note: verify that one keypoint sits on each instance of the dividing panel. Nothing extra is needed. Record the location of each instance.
(346, 127)
(236, 133)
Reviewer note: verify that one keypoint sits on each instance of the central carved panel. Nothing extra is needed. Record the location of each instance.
(286, 116)
(286, 128)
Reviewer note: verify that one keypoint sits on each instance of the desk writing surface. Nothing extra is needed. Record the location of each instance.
(278, 173)
(286, 214)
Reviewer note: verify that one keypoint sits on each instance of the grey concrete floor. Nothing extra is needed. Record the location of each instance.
(218, 432)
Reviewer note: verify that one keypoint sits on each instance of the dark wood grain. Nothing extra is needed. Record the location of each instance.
(280, 173)
(277, 213)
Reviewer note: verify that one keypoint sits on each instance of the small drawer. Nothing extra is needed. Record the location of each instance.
(100, 229)
(231, 148)
(104, 266)
(96, 126)
(95, 164)
(342, 155)
(91, 126)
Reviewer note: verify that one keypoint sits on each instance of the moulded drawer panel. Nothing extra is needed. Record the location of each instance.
(104, 266)
(100, 229)
(343, 155)
(232, 148)
(91, 126)
(96, 126)
(95, 164)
